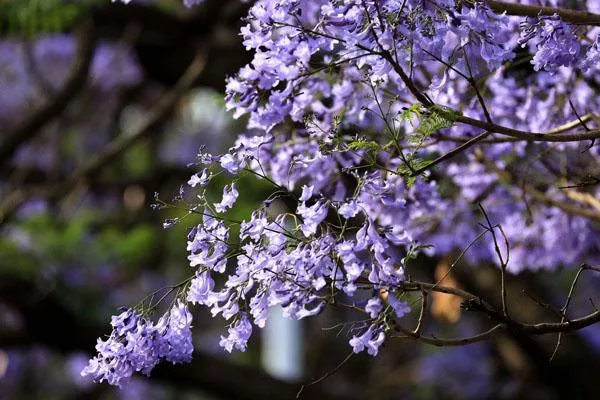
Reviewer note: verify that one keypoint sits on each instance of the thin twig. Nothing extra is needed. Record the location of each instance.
(503, 262)
(473, 84)
(542, 328)
(451, 153)
(578, 116)
(448, 342)
(543, 304)
(460, 256)
(567, 15)
(327, 375)
(524, 135)
(581, 269)
(570, 125)
(419, 326)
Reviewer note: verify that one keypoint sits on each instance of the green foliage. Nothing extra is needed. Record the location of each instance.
(129, 247)
(33, 17)
(412, 111)
(361, 143)
(412, 164)
(137, 161)
(45, 242)
(14, 261)
(430, 120)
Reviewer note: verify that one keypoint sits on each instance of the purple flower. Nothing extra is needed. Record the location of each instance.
(592, 56)
(255, 227)
(259, 309)
(312, 216)
(175, 335)
(307, 192)
(208, 244)
(400, 307)
(397, 235)
(232, 163)
(306, 312)
(230, 195)
(190, 3)
(374, 307)
(556, 44)
(137, 345)
(349, 210)
(201, 287)
(239, 333)
(313, 113)
(371, 339)
(200, 179)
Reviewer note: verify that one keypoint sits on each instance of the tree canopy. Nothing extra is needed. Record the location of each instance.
(386, 142)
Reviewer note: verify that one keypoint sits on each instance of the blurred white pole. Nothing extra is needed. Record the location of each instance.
(282, 346)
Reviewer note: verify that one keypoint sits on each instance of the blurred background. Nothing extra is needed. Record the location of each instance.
(102, 105)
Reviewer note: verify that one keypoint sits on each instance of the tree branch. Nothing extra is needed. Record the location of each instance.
(447, 342)
(154, 117)
(524, 135)
(475, 303)
(486, 126)
(538, 195)
(48, 321)
(567, 15)
(59, 102)
(463, 147)
(119, 145)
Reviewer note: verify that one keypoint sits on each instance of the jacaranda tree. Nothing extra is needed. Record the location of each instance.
(387, 129)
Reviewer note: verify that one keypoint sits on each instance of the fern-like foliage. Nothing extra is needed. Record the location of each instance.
(430, 120)
(367, 145)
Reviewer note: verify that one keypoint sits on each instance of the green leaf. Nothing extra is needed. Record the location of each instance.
(361, 143)
(430, 120)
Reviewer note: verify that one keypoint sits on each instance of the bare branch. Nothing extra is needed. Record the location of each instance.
(540, 196)
(447, 342)
(325, 376)
(463, 147)
(524, 135)
(570, 125)
(503, 263)
(543, 304)
(572, 16)
(57, 103)
(419, 326)
(556, 327)
(475, 303)
(487, 126)
(117, 146)
(581, 269)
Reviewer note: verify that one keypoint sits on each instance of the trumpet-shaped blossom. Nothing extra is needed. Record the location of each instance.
(136, 344)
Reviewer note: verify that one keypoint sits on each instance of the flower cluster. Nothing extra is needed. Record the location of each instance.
(556, 43)
(350, 103)
(592, 57)
(290, 37)
(137, 344)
